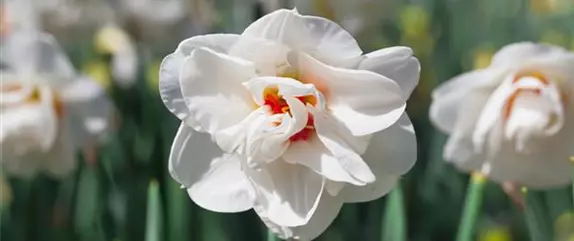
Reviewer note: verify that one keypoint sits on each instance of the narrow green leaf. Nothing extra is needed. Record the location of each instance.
(178, 212)
(154, 213)
(88, 202)
(271, 236)
(472, 207)
(537, 218)
(572, 162)
(394, 224)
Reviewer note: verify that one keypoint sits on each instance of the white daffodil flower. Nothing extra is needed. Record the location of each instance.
(76, 21)
(513, 120)
(47, 111)
(290, 119)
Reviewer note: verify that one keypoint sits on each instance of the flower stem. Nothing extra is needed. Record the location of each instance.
(537, 219)
(154, 213)
(472, 207)
(394, 224)
(572, 162)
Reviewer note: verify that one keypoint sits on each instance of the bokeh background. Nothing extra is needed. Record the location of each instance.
(122, 190)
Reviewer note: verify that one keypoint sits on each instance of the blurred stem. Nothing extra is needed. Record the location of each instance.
(394, 224)
(572, 162)
(472, 207)
(271, 236)
(179, 221)
(154, 216)
(537, 219)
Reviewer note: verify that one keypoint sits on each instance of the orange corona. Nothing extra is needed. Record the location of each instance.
(278, 105)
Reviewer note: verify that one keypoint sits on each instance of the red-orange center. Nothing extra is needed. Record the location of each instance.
(278, 105)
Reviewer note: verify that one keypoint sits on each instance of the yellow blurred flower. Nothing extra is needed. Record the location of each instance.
(414, 21)
(99, 71)
(543, 6)
(564, 227)
(481, 58)
(5, 192)
(152, 75)
(551, 6)
(324, 9)
(498, 233)
(554, 37)
(111, 39)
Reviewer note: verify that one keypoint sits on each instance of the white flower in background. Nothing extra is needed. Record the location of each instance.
(47, 111)
(124, 63)
(161, 22)
(513, 120)
(290, 119)
(77, 21)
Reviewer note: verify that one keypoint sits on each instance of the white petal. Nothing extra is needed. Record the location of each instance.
(84, 89)
(36, 53)
(365, 102)
(491, 113)
(396, 63)
(61, 159)
(29, 127)
(268, 143)
(318, 36)
(544, 169)
(268, 56)
(391, 153)
(313, 154)
(11, 97)
(289, 194)
(216, 99)
(89, 110)
(125, 66)
(325, 214)
(534, 115)
(286, 86)
(459, 148)
(214, 180)
(169, 87)
(327, 132)
(233, 138)
(448, 97)
(521, 53)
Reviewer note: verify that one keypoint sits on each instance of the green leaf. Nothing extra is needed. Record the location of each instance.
(537, 217)
(394, 224)
(88, 202)
(178, 212)
(154, 213)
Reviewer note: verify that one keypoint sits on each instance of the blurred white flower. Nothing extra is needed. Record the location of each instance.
(47, 111)
(124, 63)
(77, 21)
(513, 120)
(161, 22)
(74, 20)
(290, 119)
